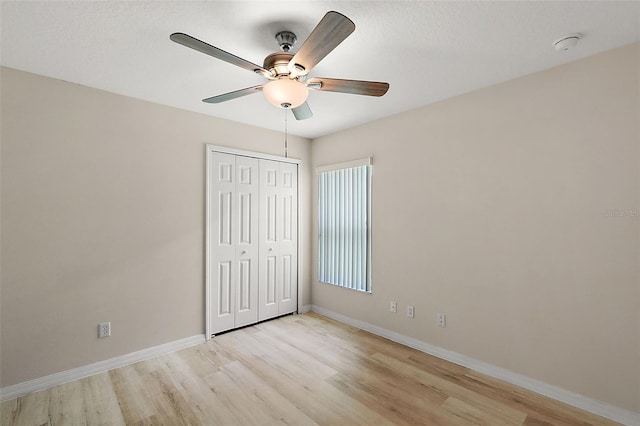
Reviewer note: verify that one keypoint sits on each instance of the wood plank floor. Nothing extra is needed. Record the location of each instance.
(296, 370)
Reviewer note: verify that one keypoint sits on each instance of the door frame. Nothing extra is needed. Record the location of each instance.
(207, 275)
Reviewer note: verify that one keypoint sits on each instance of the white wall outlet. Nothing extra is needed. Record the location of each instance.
(393, 306)
(104, 330)
(442, 320)
(410, 311)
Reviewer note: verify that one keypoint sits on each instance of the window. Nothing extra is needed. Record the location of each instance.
(344, 235)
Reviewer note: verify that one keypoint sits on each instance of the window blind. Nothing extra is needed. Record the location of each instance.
(343, 226)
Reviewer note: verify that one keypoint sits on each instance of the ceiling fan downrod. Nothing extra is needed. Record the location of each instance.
(286, 40)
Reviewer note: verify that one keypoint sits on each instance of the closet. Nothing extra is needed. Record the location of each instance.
(252, 238)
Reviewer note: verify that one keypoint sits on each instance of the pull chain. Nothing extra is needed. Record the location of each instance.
(286, 142)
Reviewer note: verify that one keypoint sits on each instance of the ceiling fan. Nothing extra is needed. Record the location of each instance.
(289, 84)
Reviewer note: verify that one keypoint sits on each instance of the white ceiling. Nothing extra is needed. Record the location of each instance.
(427, 51)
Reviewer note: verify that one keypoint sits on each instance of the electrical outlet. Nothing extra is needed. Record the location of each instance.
(393, 306)
(442, 320)
(104, 330)
(410, 311)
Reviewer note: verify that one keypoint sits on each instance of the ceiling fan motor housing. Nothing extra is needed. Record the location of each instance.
(278, 63)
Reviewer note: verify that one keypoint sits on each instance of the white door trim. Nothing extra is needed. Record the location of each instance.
(254, 154)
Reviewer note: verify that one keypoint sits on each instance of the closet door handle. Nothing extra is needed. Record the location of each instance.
(244, 252)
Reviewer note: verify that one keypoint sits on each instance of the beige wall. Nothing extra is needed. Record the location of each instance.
(103, 220)
(491, 207)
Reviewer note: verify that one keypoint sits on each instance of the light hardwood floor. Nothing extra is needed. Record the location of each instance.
(296, 370)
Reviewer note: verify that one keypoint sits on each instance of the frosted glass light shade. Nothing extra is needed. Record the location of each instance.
(285, 93)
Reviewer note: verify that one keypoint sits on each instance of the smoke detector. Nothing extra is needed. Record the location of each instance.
(567, 42)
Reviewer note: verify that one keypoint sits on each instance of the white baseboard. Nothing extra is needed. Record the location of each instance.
(304, 309)
(42, 383)
(594, 406)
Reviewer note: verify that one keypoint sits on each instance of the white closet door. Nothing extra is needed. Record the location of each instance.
(247, 190)
(222, 250)
(233, 251)
(288, 247)
(278, 239)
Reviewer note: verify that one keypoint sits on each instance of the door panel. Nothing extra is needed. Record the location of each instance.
(245, 218)
(244, 286)
(288, 238)
(271, 219)
(270, 281)
(222, 251)
(247, 189)
(225, 302)
(287, 218)
(278, 239)
(269, 271)
(224, 215)
(286, 278)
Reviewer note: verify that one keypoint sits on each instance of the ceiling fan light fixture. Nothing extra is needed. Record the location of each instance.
(285, 93)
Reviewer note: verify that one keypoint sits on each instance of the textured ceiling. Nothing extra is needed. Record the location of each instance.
(427, 51)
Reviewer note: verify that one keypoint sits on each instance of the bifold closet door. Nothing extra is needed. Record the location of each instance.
(278, 265)
(233, 239)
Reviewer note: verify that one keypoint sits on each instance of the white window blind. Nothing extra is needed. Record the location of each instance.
(343, 225)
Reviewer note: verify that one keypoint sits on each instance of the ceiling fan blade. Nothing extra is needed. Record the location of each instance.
(355, 87)
(232, 95)
(201, 46)
(302, 112)
(329, 33)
